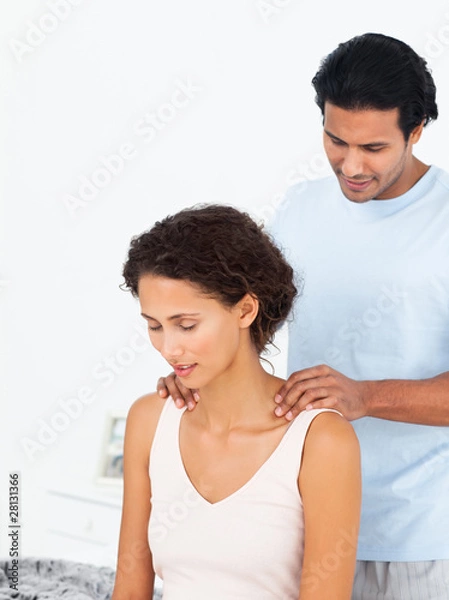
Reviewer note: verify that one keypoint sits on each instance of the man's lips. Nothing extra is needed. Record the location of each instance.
(355, 185)
(184, 370)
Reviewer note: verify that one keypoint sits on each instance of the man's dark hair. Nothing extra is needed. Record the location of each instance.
(375, 71)
(225, 254)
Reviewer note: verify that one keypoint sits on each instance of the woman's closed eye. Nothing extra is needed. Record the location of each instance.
(182, 327)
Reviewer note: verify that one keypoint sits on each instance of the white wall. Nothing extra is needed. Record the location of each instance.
(231, 80)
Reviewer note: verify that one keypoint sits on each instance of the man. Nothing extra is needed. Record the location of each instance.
(370, 335)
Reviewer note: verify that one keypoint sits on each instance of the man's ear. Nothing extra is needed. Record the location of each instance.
(249, 307)
(416, 133)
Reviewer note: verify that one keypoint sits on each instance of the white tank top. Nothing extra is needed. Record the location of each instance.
(249, 545)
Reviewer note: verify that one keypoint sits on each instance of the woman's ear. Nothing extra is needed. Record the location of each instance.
(249, 307)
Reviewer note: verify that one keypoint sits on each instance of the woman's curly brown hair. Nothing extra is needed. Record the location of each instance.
(225, 254)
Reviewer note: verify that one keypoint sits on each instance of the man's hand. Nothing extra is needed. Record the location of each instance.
(182, 395)
(321, 387)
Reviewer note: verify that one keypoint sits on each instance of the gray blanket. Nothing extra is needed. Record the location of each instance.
(51, 579)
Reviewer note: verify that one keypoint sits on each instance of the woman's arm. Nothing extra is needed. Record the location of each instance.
(330, 487)
(134, 578)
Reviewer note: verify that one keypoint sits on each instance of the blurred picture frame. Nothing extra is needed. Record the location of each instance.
(111, 459)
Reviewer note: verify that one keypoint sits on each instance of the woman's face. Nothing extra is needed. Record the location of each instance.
(198, 336)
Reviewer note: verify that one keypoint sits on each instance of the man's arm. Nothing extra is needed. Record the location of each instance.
(422, 401)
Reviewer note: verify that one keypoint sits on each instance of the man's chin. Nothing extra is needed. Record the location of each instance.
(357, 197)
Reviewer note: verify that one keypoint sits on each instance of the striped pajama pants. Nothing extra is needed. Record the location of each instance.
(425, 580)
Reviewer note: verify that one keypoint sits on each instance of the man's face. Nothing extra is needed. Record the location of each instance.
(368, 153)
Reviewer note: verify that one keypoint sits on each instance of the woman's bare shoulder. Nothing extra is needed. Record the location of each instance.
(147, 406)
(143, 415)
(331, 435)
(330, 461)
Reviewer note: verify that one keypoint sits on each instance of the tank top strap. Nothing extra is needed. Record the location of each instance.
(166, 436)
(289, 452)
(287, 456)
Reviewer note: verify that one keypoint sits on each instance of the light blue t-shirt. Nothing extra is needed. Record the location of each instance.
(375, 305)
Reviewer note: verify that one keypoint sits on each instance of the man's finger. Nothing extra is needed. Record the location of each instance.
(325, 401)
(181, 395)
(328, 402)
(188, 395)
(175, 392)
(302, 393)
(161, 388)
(305, 375)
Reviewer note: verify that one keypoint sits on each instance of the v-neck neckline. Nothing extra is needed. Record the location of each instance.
(243, 487)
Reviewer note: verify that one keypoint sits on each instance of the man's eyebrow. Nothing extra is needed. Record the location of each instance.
(173, 317)
(334, 137)
(370, 145)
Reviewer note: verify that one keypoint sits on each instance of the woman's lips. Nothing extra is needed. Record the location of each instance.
(183, 370)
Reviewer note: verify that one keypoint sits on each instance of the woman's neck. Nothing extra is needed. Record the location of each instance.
(242, 396)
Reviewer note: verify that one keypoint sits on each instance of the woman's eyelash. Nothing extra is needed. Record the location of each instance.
(158, 327)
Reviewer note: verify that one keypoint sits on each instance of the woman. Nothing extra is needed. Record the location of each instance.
(226, 501)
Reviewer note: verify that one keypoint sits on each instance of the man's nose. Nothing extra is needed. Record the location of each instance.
(352, 164)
